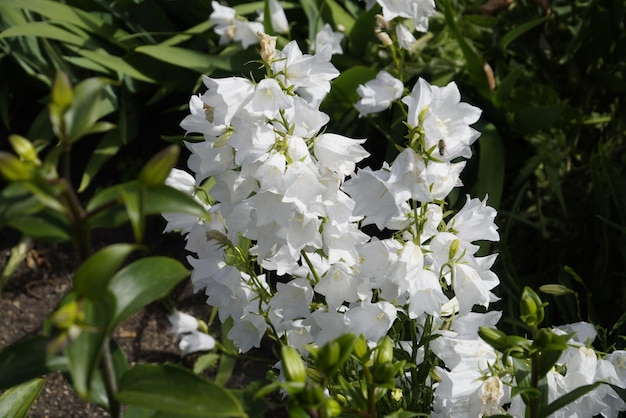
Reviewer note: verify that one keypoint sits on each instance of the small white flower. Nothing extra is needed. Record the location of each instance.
(377, 95)
(405, 37)
(326, 36)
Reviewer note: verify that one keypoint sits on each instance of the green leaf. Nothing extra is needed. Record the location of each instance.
(175, 390)
(343, 94)
(92, 277)
(43, 30)
(158, 167)
(491, 166)
(112, 62)
(533, 119)
(205, 361)
(16, 401)
(166, 199)
(505, 86)
(186, 58)
(16, 201)
(143, 282)
(337, 14)
(134, 203)
(106, 148)
(12, 169)
(85, 352)
(27, 360)
(84, 112)
(566, 399)
(518, 31)
(46, 225)
(472, 58)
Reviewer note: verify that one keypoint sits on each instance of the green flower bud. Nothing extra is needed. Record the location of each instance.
(495, 338)
(293, 366)
(531, 308)
(384, 352)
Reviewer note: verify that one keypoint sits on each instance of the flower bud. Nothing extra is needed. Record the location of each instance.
(495, 338)
(384, 38)
(384, 352)
(268, 46)
(531, 308)
(293, 366)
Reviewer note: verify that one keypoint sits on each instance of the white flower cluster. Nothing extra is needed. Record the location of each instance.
(282, 193)
(476, 384)
(284, 253)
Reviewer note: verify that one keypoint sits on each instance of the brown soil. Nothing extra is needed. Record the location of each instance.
(45, 276)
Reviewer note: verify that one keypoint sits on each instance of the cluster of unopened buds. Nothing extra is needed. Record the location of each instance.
(283, 251)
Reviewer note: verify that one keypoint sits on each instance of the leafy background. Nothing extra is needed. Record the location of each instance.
(549, 78)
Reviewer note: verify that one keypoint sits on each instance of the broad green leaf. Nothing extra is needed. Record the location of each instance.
(85, 352)
(119, 365)
(313, 16)
(17, 201)
(85, 109)
(343, 94)
(16, 402)
(492, 159)
(175, 390)
(143, 282)
(197, 61)
(43, 30)
(362, 32)
(46, 225)
(566, 399)
(166, 199)
(92, 277)
(338, 15)
(27, 360)
(198, 29)
(158, 167)
(518, 31)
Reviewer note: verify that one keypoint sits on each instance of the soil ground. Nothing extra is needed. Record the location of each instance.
(36, 287)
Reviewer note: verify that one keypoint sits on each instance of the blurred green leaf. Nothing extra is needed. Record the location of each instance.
(475, 65)
(532, 119)
(491, 166)
(44, 30)
(335, 13)
(92, 277)
(85, 351)
(518, 31)
(82, 115)
(134, 203)
(16, 201)
(175, 390)
(143, 282)
(45, 225)
(113, 63)
(566, 399)
(197, 61)
(16, 402)
(12, 169)
(26, 360)
(159, 166)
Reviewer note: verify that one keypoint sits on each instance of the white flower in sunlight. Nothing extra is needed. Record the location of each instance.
(326, 36)
(278, 18)
(475, 221)
(377, 95)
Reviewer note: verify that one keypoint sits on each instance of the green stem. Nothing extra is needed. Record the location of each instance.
(110, 383)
